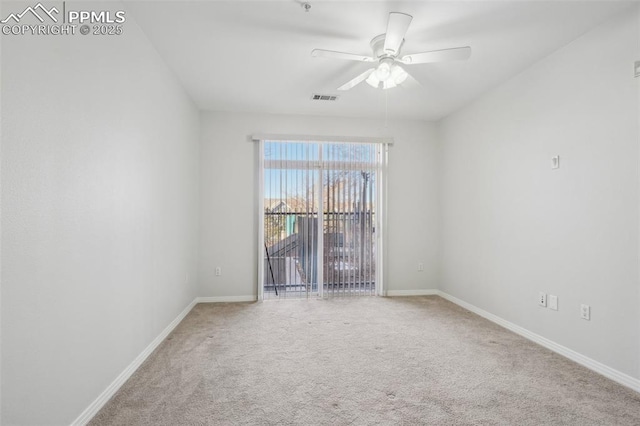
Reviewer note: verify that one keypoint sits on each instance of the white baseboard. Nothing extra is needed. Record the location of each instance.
(99, 402)
(221, 299)
(598, 367)
(424, 292)
(102, 399)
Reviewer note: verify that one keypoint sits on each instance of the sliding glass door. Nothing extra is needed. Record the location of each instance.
(319, 221)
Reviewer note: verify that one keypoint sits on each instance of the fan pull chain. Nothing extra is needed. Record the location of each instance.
(386, 108)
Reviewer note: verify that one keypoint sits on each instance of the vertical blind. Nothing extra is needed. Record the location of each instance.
(319, 218)
(290, 219)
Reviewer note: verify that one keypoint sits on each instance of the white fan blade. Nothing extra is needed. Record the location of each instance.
(340, 55)
(359, 79)
(455, 54)
(396, 29)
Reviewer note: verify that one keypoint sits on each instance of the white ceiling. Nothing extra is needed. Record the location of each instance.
(255, 56)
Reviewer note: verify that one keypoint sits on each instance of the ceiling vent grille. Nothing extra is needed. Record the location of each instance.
(317, 97)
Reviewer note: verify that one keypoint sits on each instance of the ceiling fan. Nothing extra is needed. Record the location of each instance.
(386, 51)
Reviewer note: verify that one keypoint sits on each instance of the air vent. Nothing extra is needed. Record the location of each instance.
(316, 97)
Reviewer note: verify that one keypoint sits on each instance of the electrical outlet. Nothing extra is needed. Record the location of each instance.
(420, 267)
(585, 312)
(553, 302)
(542, 299)
(218, 271)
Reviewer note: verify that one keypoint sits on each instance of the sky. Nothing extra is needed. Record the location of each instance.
(283, 182)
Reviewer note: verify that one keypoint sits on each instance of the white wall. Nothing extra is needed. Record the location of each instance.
(99, 214)
(513, 227)
(229, 184)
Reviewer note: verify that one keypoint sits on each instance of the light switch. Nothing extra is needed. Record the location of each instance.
(555, 162)
(553, 302)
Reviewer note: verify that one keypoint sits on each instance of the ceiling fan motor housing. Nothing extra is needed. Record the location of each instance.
(377, 45)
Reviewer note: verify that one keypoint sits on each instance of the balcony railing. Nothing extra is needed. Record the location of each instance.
(348, 256)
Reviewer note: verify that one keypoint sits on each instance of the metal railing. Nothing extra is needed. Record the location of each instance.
(291, 250)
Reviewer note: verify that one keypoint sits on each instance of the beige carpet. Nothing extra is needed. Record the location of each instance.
(359, 361)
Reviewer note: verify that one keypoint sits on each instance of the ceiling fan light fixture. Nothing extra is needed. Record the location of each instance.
(373, 80)
(384, 69)
(388, 84)
(398, 75)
